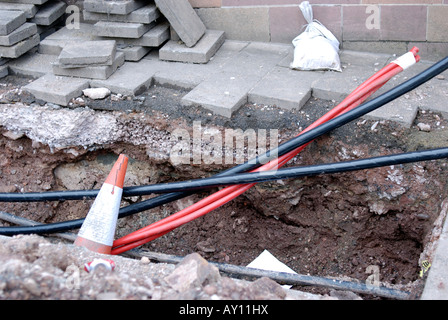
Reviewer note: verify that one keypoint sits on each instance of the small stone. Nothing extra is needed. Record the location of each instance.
(96, 93)
(424, 127)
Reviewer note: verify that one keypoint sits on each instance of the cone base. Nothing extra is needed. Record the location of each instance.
(92, 245)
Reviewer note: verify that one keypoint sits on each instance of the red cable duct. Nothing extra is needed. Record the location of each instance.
(221, 197)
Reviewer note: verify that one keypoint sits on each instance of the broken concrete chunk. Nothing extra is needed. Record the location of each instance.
(192, 271)
(184, 20)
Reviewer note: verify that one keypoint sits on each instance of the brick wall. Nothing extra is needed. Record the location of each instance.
(390, 26)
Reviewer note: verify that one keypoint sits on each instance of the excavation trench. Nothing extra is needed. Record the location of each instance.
(343, 225)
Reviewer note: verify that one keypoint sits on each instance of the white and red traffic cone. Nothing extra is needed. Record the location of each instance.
(98, 229)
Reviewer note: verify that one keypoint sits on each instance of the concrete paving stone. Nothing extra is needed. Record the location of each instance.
(29, 9)
(146, 15)
(133, 78)
(54, 43)
(113, 7)
(10, 20)
(134, 53)
(284, 88)
(32, 64)
(189, 75)
(88, 53)
(4, 61)
(226, 90)
(26, 30)
(357, 67)
(397, 110)
(4, 71)
(56, 89)
(38, 2)
(184, 20)
(121, 29)
(49, 13)
(154, 38)
(200, 53)
(20, 48)
(91, 72)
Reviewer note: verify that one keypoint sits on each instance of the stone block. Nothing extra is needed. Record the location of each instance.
(32, 64)
(26, 30)
(121, 29)
(113, 7)
(100, 52)
(29, 9)
(49, 13)
(403, 22)
(133, 53)
(234, 22)
(132, 78)
(200, 53)
(55, 89)
(91, 72)
(153, 38)
(183, 18)
(437, 23)
(10, 21)
(20, 48)
(146, 15)
(284, 88)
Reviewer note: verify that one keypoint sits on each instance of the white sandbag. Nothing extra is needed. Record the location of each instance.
(316, 48)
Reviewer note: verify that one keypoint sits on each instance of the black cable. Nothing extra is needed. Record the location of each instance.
(288, 146)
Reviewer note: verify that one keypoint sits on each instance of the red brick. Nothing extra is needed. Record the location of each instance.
(403, 22)
(400, 1)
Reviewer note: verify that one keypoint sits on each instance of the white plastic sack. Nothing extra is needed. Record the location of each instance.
(316, 48)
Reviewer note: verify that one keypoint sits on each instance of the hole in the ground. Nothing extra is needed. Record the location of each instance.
(335, 225)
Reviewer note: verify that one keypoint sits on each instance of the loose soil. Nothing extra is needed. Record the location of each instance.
(330, 225)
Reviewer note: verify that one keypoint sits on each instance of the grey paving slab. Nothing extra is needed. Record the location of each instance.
(33, 64)
(183, 18)
(20, 48)
(121, 29)
(113, 7)
(91, 72)
(10, 20)
(49, 13)
(284, 88)
(88, 53)
(56, 89)
(357, 67)
(200, 53)
(55, 42)
(131, 79)
(227, 90)
(146, 14)
(134, 53)
(154, 38)
(29, 9)
(27, 1)
(26, 30)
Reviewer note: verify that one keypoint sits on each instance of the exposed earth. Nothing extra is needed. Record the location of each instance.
(330, 225)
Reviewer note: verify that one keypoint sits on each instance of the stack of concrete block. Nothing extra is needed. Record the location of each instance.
(17, 36)
(48, 16)
(191, 41)
(96, 59)
(133, 24)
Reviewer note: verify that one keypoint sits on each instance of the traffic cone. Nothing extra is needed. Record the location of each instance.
(98, 229)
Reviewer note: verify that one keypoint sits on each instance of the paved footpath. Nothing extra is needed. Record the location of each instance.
(252, 72)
